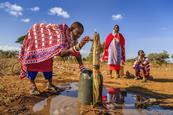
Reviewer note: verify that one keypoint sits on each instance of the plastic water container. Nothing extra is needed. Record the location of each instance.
(85, 95)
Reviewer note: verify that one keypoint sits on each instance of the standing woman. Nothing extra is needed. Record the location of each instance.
(114, 51)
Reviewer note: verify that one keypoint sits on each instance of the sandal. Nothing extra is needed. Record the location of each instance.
(53, 88)
(137, 78)
(34, 91)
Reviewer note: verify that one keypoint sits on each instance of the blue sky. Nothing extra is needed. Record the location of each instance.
(145, 24)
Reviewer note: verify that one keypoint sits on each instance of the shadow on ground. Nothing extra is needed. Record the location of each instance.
(162, 80)
(147, 92)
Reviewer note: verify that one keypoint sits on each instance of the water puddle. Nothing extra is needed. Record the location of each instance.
(114, 99)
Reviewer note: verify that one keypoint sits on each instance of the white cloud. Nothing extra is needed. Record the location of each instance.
(9, 48)
(35, 9)
(26, 20)
(12, 9)
(117, 17)
(59, 12)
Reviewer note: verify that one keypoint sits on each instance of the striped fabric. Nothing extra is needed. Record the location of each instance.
(114, 50)
(143, 64)
(42, 42)
(115, 53)
(114, 56)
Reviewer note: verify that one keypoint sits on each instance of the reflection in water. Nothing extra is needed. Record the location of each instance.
(130, 109)
(40, 106)
(140, 102)
(64, 105)
(114, 99)
(144, 102)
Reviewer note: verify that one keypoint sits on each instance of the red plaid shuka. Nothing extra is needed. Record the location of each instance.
(108, 40)
(114, 50)
(42, 42)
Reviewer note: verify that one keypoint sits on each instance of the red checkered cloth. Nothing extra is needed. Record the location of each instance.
(42, 42)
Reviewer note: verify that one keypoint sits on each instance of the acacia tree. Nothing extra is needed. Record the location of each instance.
(159, 58)
(172, 57)
(20, 39)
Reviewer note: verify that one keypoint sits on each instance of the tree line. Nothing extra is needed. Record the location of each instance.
(158, 58)
(8, 54)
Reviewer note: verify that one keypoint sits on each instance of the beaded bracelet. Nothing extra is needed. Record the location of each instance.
(82, 68)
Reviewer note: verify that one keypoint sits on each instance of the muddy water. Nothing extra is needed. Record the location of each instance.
(130, 109)
(63, 104)
(67, 104)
